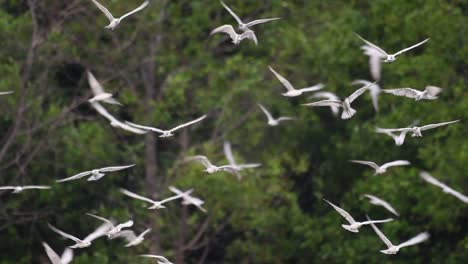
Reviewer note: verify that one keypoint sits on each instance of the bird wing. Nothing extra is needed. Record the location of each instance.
(201, 159)
(342, 212)
(175, 190)
(74, 177)
(377, 48)
(101, 218)
(67, 256)
(380, 234)
(175, 197)
(129, 235)
(136, 196)
(261, 21)
(188, 123)
(99, 232)
(377, 221)
(249, 34)
(396, 163)
(376, 200)
(458, 195)
(5, 93)
(7, 188)
(54, 258)
(230, 169)
(412, 47)
(375, 61)
(239, 21)
(428, 178)
(228, 29)
(60, 232)
(268, 115)
(249, 165)
(101, 110)
(426, 127)
(129, 223)
(360, 91)
(285, 118)
(313, 88)
(406, 92)
(433, 90)
(415, 240)
(42, 187)
(157, 130)
(96, 87)
(368, 163)
(228, 153)
(327, 95)
(138, 9)
(115, 168)
(130, 128)
(145, 232)
(285, 82)
(156, 257)
(104, 10)
(331, 103)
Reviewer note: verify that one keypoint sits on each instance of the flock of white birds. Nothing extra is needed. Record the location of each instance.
(376, 56)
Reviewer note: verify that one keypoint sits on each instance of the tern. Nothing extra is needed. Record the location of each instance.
(131, 238)
(19, 189)
(293, 92)
(348, 111)
(383, 168)
(98, 91)
(114, 22)
(271, 120)
(232, 162)
(113, 121)
(96, 174)
(416, 131)
(379, 202)
(5, 93)
(392, 249)
(428, 178)
(114, 229)
(246, 26)
(188, 199)
(429, 93)
(166, 133)
(66, 257)
(353, 225)
(374, 90)
(390, 57)
(328, 96)
(159, 259)
(86, 242)
(375, 61)
(156, 204)
(210, 168)
(235, 37)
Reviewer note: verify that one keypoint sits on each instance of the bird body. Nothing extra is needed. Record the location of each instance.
(156, 204)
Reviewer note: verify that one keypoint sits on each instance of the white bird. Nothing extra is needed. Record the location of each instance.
(416, 131)
(166, 133)
(328, 96)
(131, 238)
(379, 202)
(232, 162)
(375, 61)
(113, 121)
(428, 178)
(246, 26)
(159, 259)
(392, 249)
(353, 225)
(5, 93)
(66, 257)
(293, 92)
(390, 57)
(98, 91)
(210, 168)
(96, 174)
(156, 204)
(114, 229)
(236, 38)
(383, 168)
(19, 189)
(114, 22)
(86, 242)
(188, 199)
(429, 93)
(374, 90)
(348, 111)
(271, 120)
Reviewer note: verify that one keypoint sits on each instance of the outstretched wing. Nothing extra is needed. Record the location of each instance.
(129, 235)
(331, 103)
(313, 88)
(41, 187)
(228, 29)
(285, 118)
(406, 92)
(104, 10)
(342, 212)
(368, 222)
(60, 232)
(115, 168)
(261, 21)
(239, 21)
(175, 197)
(249, 34)
(431, 126)
(157, 130)
(54, 258)
(201, 159)
(412, 47)
(380, 234)
(136, 196)
(368, 163)
(265, 111)
(285, 82)
(228, 153)
(377, 201)
(5, 93)
(377, 48)
(396, 163)
(100, 218)
(188, 123)
(138, 9)
(67, 256)
(428, 178)
(415, 240)
(99, 232)
(360, 91)
(74, 177)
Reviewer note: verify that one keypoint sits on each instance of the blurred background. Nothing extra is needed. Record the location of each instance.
(165, 68)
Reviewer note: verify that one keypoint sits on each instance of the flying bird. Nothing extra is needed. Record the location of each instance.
(66, 257)
(232, 162)
(328, 96)
(348, 111)
(428, 178)
(114, 22)
(246, 26)
(98, 91)
(271, 120)
(188, 199)
(383, 168)
(5, 93)
(113, 121)
(293, 92)
(374, 90)
(96, 174)
(86, 242)
(392, 249)
(19, 189)
(159, 259)
(375, 61)
(353, 225)
(210, 168)
(390, 57)
(114, 229)
(379, 202)
(429, 93)
(156, 204)
(131, 238)
(235, 37)
(416, 131)
(166, 133)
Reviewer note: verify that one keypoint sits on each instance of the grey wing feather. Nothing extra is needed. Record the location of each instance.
(412, 47)
(136, 196)
(104, 10)
(116, 168)
(426, 127)
(415, 240)
(261, 21)
(372, 45)
(138, 9)
(342, 212)
(188, 123)
(228, 29)
(77, 176)
(334, 103)
(368, 163)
